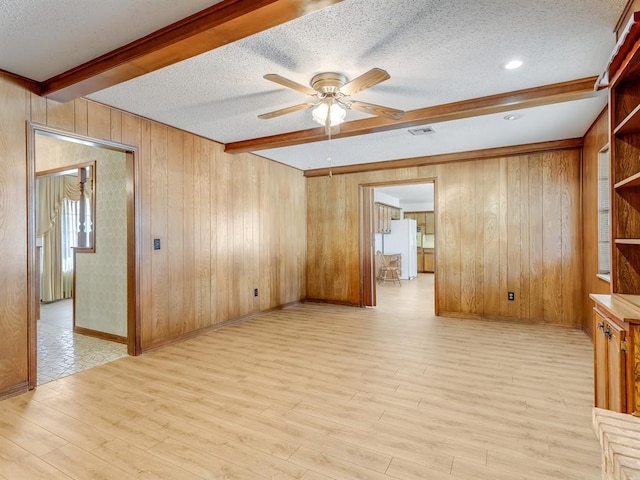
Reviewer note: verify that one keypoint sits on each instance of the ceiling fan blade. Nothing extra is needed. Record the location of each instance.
(285, 82)
(364, 81)
(377, 110)
(284, 111)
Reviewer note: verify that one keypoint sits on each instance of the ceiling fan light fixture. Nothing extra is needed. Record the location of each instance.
(336, 114)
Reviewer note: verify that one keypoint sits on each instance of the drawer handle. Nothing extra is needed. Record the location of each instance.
(601, 326)
(608, 333)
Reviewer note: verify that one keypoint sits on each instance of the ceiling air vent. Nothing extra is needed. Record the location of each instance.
(422, 130)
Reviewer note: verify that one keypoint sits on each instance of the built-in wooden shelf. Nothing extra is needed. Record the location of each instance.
(630, 124)
(630, 182)
(616, 317)
(627, 241)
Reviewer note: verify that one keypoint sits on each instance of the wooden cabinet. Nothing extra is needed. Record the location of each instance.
(600, 379)
(617, 316)
(430, 223)
(421, 219)
(420, 264)
(382, 216)
(428, 259)
(616, 338)
(610, 343)
(425, 221)
(425, 260)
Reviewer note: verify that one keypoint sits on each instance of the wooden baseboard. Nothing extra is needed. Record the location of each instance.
(513, 320)
(14, 390)
(102, 335)
(283, 306)
(588, 333)
(213, 328)
(344, 303)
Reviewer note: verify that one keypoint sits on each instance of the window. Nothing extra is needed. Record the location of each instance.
(604, 214)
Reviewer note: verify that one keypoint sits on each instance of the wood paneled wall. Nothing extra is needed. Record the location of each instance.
(505, 224)
(13, 236)
(227, 224)
(596, 138)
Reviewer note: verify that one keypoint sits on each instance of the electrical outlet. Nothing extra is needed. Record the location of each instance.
(255, 292)
(156, 244)
(511, 296)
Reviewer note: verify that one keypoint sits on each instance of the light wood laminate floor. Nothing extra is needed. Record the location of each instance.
(322, 392)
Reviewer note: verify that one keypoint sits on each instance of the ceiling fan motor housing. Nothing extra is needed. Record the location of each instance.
(328, 83)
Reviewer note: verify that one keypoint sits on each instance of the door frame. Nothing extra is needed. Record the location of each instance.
(367, 244)
(133, 248)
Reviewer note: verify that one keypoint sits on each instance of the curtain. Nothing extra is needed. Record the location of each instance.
(69, 237)
(53, 227)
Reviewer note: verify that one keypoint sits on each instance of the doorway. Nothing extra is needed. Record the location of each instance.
(398, 222)
(83, 189)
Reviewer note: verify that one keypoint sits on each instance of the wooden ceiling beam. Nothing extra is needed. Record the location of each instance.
(503, 102)
(218, 25)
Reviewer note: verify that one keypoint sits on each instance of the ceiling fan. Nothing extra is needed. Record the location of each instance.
(330, 90)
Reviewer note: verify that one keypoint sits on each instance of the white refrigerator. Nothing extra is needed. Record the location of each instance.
(402, 240)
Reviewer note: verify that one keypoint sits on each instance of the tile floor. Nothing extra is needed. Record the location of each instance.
(62, 352)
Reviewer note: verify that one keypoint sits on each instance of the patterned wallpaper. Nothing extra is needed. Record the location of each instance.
(101, 277)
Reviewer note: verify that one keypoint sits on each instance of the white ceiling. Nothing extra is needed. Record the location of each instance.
(411, 193)
(436, 52)
(541, 124)
(41, 38)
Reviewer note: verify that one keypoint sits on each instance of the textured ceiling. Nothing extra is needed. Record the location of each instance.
(541, 124)
(42, 38)
(436, 52)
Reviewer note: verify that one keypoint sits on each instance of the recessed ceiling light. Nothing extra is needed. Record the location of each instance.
(512, 117)
(512, 65)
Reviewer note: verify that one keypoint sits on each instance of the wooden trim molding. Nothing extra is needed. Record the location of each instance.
(134, 254)
(218, 25)
(33, 265)
(623, 52)
(102, 335)
(31, 85)
(624, 18)
(331, 302)
(367, 257)
(450, 157)
(531, 97)
(507, 319)
(14, 390)
(133, 339)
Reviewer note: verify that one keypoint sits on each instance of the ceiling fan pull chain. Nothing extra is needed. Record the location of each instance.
(329, 149)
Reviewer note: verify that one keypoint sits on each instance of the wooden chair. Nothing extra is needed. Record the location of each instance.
(388, 270)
